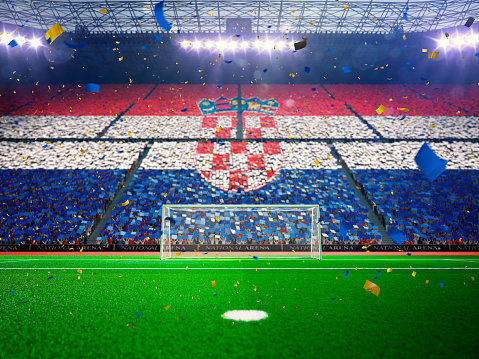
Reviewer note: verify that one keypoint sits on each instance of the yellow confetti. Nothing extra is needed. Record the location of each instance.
(413, 274)
(316, 163)
(167, 307)
(424, 50)
(433, 55)
(380, 109)
(390, 270)
(120, 59)
(219, 129)
(79, 271)
(213, 283)
(55, 31)
(427, 281)
(125, 203)
(404, 37)
(103, 11)
(82, 150)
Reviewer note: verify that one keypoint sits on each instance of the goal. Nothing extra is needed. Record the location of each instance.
(240, 225)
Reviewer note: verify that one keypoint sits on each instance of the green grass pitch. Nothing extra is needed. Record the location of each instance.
(140, 307)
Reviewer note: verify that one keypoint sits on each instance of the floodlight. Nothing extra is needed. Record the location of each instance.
(35, 42)
(268, 44)
(280, 45)
(20, 40)
(471, 39)
(458, 41)
(244, 45)
(197, 45)
(209, 44)
(6, 38)
(185, 44)
(443, 42)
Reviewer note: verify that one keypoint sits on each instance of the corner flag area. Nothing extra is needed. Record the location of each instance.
(282, 307)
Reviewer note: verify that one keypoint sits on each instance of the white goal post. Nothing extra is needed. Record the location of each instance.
(240, 224)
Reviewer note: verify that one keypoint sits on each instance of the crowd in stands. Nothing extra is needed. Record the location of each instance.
(69, 155)
(53, 206)
(15, 96)
(150, 189)
(398, 100)
(401, 154)
(298, 100)
(53, 126)
(426, 212)
(57, 191)
(112, 100)
(463, 96)
(180, 99)
(465, 127)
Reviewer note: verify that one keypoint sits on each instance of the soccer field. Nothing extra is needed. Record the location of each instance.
(140, 307)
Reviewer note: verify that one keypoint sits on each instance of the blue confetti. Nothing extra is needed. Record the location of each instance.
(346, 70)
(12, 292)
(402, 118)
(205, 253)
(183, 251)
(265, 70)
(255, 257)
(424, 79)
(375, 277)
(220, 86)
(157, 38)
(408, 63)
(75, 47)
(143, 47)
(307, 69)
(405, 16)
(477, 54)
(375, 139)
(330, 50)
(379, 272)
(45, 146)
(12, 43)
(138, 314)
(185, 109)
(333, 298)
(441, 284)
(140, 18)
(154, 157)
(347, 273)
(216, 294)
(270, 26)
(221, 143)
(50, 277)
(313, 89)
(409, 254)
(229, 62)
(16, 122)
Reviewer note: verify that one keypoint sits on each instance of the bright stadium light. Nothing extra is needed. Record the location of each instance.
(244, 45)
(209, 44)
(268, 44)
(471, 39)
(20, 40)
(35, 42)
(458, 41)
(280, 45)
(257, 44)
(221, 44)
(232, 45)
(6, 38)
(197, 45)
(185, 44)
(443, 42)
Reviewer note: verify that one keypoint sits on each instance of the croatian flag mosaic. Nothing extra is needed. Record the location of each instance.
(238, 165)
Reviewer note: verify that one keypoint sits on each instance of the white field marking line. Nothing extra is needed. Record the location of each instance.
(202, 268)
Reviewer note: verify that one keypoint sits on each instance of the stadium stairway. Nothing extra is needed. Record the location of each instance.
(129, 178)
(362, 199)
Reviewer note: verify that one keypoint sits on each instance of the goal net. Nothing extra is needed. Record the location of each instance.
(240, 225)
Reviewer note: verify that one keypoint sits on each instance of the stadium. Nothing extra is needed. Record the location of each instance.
(241, 179)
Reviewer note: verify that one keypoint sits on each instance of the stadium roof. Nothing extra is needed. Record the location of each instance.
(258, 16)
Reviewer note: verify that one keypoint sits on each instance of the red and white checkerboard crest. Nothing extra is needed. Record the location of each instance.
(231, 165)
